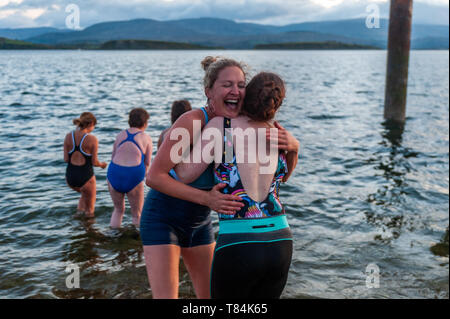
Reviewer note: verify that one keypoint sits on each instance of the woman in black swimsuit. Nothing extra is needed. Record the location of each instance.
(80, 154)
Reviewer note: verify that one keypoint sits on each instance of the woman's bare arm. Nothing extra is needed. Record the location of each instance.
(95, 161)
(148, 153)
(158, 176)
(161, 137)
(66, 148)
(287, 142)
(188, 171)
(115, 147)
(291, 159)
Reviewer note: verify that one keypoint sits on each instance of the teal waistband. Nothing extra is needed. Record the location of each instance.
(253, 225)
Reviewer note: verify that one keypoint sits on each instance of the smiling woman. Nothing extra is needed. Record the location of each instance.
(176, 217)
(226, 91)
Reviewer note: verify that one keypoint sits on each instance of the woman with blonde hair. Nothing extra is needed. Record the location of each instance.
(176, 217)
(80, 154)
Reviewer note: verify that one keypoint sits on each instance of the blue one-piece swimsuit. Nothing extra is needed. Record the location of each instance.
(125, 178)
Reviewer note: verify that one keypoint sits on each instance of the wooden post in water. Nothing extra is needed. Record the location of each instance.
(399, 45)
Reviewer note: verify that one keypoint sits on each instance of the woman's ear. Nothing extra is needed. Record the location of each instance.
(208, 93)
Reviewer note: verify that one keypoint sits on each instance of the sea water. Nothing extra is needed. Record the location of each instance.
(367, 203)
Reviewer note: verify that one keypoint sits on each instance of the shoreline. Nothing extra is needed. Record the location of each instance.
(152, 45)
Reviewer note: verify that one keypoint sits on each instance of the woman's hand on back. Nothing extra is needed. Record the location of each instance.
(286, 141)
(222, 203)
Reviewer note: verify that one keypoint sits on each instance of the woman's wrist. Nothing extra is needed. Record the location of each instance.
(203, 198)
(295, 147)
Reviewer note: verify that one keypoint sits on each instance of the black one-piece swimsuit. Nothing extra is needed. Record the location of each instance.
(78, 175)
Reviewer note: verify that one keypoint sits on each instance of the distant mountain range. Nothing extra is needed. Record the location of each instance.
(228, 34)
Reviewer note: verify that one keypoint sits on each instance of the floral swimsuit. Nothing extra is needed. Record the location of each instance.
(228, 173)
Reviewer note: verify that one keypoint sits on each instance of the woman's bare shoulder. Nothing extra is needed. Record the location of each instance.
(121, 135)
(90, 140)
(145, 137)
(188, 117)
(68, 137)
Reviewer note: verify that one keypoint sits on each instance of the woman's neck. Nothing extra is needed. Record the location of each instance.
(210, 112)
(82, 130)
(136, 128)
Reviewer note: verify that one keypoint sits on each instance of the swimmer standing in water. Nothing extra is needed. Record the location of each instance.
(131, 157)
(172, 225)
(80, 154)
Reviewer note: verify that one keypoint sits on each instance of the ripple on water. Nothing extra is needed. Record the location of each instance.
(362, 192)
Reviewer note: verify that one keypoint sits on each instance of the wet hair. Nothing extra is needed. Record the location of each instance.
(178, 108)
(85, 120)
(264, 96)
(213, 66)
(138, 117)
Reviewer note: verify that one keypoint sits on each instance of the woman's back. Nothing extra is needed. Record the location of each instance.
(256, 169)
(256, 184)
(129, 147)
(85, 144)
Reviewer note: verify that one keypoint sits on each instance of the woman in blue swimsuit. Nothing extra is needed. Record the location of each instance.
(80, 154)
(254, 248)
(130, 159)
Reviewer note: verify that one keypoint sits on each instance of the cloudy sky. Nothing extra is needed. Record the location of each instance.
(36, 13)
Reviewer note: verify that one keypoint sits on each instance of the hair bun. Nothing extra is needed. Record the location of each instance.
(271, 95)
(264, 96)
(86, 119)
(208, 61)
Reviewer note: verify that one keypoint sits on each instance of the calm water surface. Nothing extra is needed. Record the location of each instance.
(363, 192)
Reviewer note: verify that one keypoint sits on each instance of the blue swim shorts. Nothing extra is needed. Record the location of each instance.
(167, 220)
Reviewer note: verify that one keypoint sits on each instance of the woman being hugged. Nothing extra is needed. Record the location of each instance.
(254, 248)
(80, 154)
(130, 160)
